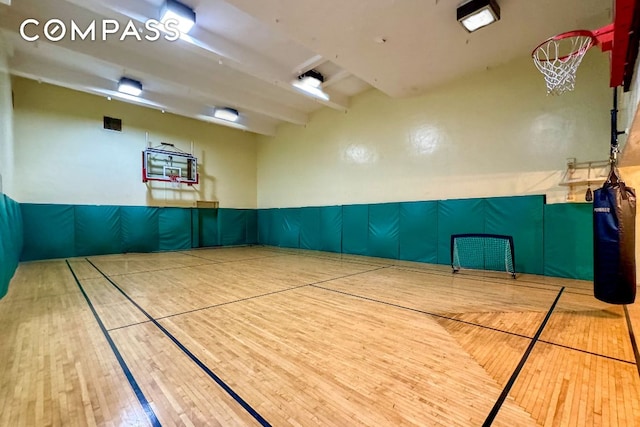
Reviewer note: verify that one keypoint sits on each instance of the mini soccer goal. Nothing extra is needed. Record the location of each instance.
(483, 252)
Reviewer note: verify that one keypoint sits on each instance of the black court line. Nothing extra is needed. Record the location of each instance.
(634, 343)
(329, 258)
(471, 323)
(264, 295)
(228, 261)
(415, 310)
(484, 279)
(192, 356)
(507, 388)
(160, 269)
(615, 359)
(427, 270)
(230, 302)
(127, 326)
(132, 381)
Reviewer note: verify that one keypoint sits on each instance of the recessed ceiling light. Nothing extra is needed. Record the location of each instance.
(183, 14)
(130, 86)
(476, 14)
(226, 113)
(311, 83)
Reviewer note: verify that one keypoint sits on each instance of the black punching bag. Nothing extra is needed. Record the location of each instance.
(614, 212)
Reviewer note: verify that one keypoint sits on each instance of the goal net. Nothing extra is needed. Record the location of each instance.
(482, 252)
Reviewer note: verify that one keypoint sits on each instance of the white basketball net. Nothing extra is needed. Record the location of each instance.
(559, 59)
(175, 181)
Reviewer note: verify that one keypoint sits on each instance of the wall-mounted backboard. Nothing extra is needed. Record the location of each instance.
(167, 163)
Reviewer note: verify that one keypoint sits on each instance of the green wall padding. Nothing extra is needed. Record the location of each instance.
(355, 229)
(174, 227)
(232, 225)
(458, 217)
(139, 229)
(11, 240)
(251, 217)
(418, 232)
(195, 229)
(331, 228)
(264, 226)
(207, 228)
(384, 227)
(277, 227)
(49, 231)
(522, 218)
(290, 237)
(568, 240)
(97, 230)
(310, 228)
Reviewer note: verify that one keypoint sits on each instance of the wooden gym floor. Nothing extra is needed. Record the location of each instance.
(259, 335)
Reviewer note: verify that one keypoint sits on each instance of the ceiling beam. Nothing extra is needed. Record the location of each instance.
(24, 66)
(203, 42)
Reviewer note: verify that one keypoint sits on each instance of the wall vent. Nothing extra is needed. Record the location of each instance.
(111, 123)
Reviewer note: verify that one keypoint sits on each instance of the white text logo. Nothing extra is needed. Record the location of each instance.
(56, 30)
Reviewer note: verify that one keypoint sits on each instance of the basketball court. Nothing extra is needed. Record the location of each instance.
(216, 276)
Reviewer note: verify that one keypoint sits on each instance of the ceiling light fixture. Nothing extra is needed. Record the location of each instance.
(228, 114)
(130, 86)
(311, 83)
(476, 14)
(173, 9)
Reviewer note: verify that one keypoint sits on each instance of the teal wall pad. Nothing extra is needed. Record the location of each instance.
(384, 230)
(264, 226)
(522, 218)
(290, 237)
(233, 226)
(458, 217)
(310, 228)
(418, 234)
(139, 229)
(331, 229)
(555, 240)
(11, 240)
(421, 231)
(98, 230)
(65, 231)
(206, 229)
(355, 229)
(49, 231)
(568, 240)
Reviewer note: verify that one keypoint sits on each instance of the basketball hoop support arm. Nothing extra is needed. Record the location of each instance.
(614, 129)
(604, 37)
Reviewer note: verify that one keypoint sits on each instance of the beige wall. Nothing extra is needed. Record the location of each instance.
(63, 154)
(495, 133)
(6, 124)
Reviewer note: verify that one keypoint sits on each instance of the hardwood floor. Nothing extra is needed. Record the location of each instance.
(268, 336)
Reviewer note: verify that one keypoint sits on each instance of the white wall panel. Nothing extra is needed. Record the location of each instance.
(63, 154)
(492, 134)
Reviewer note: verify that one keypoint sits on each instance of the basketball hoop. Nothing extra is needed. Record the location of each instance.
(175, 181)
(559, 57)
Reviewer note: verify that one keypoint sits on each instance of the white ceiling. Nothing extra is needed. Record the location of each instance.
(244, 54)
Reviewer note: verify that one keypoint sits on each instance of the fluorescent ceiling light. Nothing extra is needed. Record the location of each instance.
(175, 10)
(476, 14)
(228, 114)
(130, 86)
(311, 83)
(311, 90)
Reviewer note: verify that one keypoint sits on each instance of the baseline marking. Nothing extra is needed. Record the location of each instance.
(132, 381)
(516, 372)
(192, 356)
